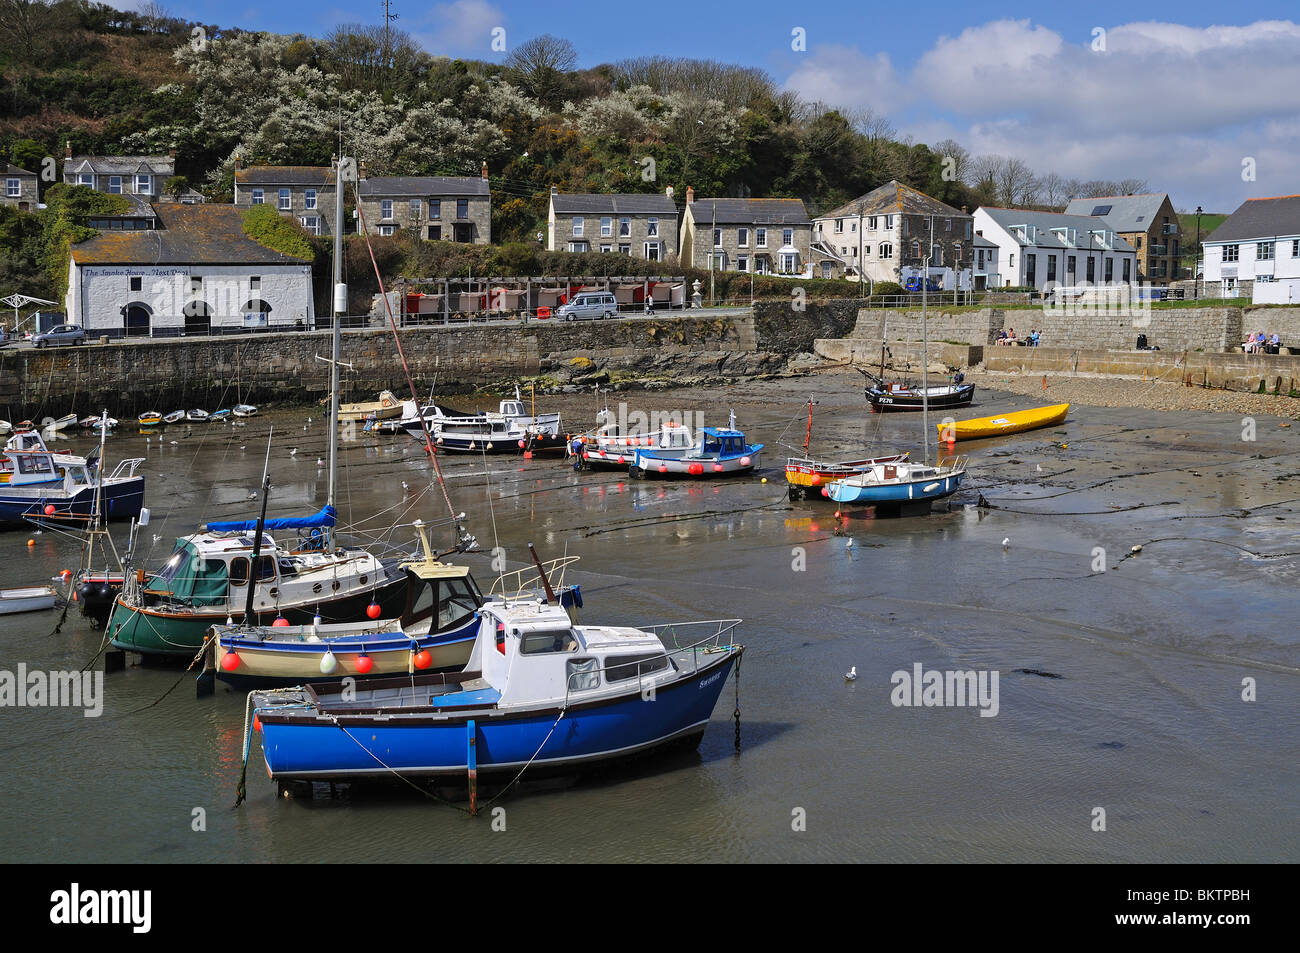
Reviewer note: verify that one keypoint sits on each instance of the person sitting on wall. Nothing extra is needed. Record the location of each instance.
(1275, 344)
(1248, 345)
(1002, 336)
(1011, 337)
(1260, 342)
(1033, 338)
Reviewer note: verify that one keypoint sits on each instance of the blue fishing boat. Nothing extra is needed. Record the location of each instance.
(538, 692)
(36, 482)
(715, 452)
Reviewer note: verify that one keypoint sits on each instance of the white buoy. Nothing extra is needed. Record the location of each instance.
(851, 674)
(1006, 542)
(328, 663)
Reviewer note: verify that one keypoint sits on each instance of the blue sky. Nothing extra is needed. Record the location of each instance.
(1196, 105)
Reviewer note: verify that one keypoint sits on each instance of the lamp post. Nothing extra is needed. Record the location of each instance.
(1196, 259)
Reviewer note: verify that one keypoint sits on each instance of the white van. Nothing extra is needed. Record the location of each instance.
(589, 304)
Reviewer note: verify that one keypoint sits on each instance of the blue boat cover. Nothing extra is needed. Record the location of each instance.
(324, 518)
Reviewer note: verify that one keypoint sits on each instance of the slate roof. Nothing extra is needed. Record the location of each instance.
(121, 165)
(306, 175)
(1046, 221)
(612, 204)
(749, 212)
(1123, 213)
(11, 169)
(1260, 219)
(421, 185)
(894, 198)
(186, 235)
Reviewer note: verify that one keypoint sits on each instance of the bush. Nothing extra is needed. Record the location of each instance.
(886, 289)
(264, 225)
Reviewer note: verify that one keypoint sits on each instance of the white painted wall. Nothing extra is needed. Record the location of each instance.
(97, 293)
(1011, 257)
(1285, 263)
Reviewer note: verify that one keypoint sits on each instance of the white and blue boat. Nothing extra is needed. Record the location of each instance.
(38, 483)
(716, 452)
(538, 692)
(899, 482)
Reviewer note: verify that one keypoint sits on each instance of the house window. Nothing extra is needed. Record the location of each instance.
(1031, 269)
(1127, 273)
(651, 251)
(578, 247)
(1295, 248)
(462, 208)
(606, 249)
(311, 223)
(652, 227)
(144, 184)
(624, 227)
(386, 211)
(742, 238)
(416, 209)
(1051, 267)
(886, 250)
(872, 223)
(789, 263)
(136, 283)
(86, 178)
(742, 263)
(1092, 269)
(259, 197)
(254, 282)
(625, 250)
(760, 237)
(866, 250)
(386, 230)
(1231, 252)
(979, 256)
(309, 199)
(1071, 269)
(114, 185)
(916, 249)
(285, 202)
(13, 188)
(889, 222)
(787, 236)
(435, 233)
(717, 237)
(606, 227)
(435, 208)
(577, 226)
(947, 224)
(1110, 270)
(1264, 251)
(853, 226)
(839, 225)
(1011, 260)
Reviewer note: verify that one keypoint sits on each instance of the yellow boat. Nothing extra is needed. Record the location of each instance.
(1014, 422)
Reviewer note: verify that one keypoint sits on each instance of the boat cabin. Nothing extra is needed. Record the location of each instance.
(440, 597)
(26, 460)
(676, 438)
(722, 443)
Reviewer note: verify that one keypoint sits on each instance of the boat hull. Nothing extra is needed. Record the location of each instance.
(910, 492)
(1016, 422)
(264, 664)
(883, 401)
(122, 501)
(660, 463)
(810, 477)
(157, 630)
(301, 748)
(34, 599)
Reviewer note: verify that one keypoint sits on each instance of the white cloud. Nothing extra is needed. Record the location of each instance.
(461, 28)
(1179, 106)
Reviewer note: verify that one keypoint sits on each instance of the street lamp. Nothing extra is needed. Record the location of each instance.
(1196, 259)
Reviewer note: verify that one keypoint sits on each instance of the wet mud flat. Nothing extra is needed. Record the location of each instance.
(1119, 689)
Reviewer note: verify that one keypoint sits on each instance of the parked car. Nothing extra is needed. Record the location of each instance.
(914, 285)
(589, 304)
(60, 334)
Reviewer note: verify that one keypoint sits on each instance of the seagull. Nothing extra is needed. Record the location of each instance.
(156, 537)
(405, 485)
(320, 462)
(851, 675)
(175, 442)
(243, 446)
(849, 544)
(1006, 542)
(1038, 467)
(252, 496)
(293, 451)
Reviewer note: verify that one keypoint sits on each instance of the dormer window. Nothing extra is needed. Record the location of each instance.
(144, 184)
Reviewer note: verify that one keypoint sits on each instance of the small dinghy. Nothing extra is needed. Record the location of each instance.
(30, 599)
(222, 414)
(197, 415)
(1015, 422)
(175, 417)
(244, 410)
(98, 423)
(63, 423)
(150, 418)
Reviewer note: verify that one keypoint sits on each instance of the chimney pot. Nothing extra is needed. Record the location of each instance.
(68, 154)
(484, 173)
(690, 194)
(669, 191)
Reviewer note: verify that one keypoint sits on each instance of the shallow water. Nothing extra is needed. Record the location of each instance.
(1146, 721)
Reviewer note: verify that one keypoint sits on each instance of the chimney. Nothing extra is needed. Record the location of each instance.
(361, 169)
(669, 192)
(171, 153)
(484, 172)
(555, 190)
(964, 210)
(239, 163)
(68, 154)
(690, 194)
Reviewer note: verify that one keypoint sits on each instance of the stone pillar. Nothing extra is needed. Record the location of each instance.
(697, 297)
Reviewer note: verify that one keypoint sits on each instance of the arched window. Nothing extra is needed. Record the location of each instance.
(886, 250)
(136, 319)
(257, 313)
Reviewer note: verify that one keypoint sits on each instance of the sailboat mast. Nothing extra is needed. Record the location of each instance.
(925, 351)
(807, 435)
(340, 306)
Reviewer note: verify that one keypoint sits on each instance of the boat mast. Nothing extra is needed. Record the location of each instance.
(249, 618)
(925, 355)
(340, 307)
(807, 435)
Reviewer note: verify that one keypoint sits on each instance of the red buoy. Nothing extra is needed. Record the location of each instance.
(230, 662)
(49, 509)
(622, 459)
(717, 468)
(826, 492)
(280, 622)
(257, 724)
(816, 478)
(521, 445)
(663, 468)
(373, 610)
(364, 664)
(423, 659)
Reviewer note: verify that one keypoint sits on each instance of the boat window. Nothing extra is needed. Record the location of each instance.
(162, 580)
(583, 674)
(550, 640)
(620, 668)
(712, 444)
(423, 602)
(208, 586)
(265, 568)
(239, 571)
(732, 444)
(458, 601)
(28, 463)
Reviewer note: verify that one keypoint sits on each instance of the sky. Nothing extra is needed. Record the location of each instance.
(1206, 108)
